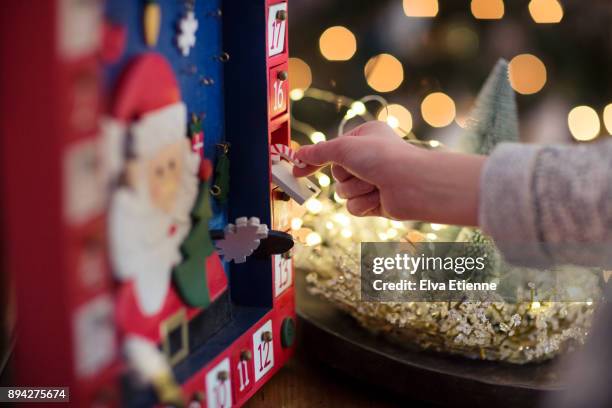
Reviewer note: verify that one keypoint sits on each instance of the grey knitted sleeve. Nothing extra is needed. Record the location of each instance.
(535, 197)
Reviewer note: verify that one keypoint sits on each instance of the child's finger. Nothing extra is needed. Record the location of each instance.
(340, 173)
(364, 204)
(305, 171)
(353, 188)
(320, 154)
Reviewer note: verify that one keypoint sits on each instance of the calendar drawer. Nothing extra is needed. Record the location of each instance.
(278, 90)
(277, 29)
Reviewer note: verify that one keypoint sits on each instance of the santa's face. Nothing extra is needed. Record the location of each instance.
(163, 174)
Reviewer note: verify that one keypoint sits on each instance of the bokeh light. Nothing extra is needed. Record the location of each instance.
(421, 8)
(546, 11)
(398, 117)
(384, 73)
(461, 41)
(527, 74)
(583, 123)
(317, 137)
(438, 109)
(607, 118)
(337, 44)
(324, 180)
(487, 9)
(300, 76)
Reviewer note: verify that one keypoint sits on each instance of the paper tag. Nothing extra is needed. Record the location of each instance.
(300, 189)
(263, 350)
(219, 386)
(282, 274)
(276, 30)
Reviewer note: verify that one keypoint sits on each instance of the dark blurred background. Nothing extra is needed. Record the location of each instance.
(560, 55)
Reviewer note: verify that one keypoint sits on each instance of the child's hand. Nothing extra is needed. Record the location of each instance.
(380, 174)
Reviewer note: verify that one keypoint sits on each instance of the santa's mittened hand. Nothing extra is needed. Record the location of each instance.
(242, 239)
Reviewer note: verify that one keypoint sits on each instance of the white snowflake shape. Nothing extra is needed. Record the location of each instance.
(241, 239)
(186, 38)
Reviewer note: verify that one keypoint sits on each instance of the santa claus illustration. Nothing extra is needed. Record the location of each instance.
(161, 176)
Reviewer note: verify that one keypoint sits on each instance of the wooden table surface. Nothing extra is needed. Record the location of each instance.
(304, 383)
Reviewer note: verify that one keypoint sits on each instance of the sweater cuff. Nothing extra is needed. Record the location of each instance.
(507, 212)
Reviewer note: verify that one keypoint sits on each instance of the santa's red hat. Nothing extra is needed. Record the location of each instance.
(147, 107)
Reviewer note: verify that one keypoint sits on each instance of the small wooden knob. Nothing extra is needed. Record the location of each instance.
(222, 376)
(282, 75)
(266, 336)
(246, 355)
(281, 15)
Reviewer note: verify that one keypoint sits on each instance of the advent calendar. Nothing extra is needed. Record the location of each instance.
(147, 192)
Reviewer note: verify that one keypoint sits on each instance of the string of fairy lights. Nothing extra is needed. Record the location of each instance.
(384, 73)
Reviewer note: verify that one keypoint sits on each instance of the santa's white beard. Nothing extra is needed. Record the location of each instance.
(142, 248)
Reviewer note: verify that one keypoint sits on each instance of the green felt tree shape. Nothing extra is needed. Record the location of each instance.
(190, 274)
(494, 117)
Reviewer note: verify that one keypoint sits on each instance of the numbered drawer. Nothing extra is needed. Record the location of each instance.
(283, 273)
(278, 91)
(277, 29)
(242, 368)
(263, 350)
(219, 386)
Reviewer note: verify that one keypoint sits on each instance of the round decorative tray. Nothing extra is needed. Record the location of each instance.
(336, 339)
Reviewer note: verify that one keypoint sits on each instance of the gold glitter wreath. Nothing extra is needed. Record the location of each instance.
(528, 331)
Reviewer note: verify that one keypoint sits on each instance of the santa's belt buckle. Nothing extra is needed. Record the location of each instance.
(175, 337)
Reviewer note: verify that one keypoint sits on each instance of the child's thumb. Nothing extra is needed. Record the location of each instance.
(320, 154)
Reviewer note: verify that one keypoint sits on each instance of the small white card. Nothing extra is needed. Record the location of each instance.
(276, 30)
(219, 386)
(263, 351)
(282, 274)
(300, 189)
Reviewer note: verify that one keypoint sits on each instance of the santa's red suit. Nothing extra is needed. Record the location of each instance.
(132, 320)
(144, 240)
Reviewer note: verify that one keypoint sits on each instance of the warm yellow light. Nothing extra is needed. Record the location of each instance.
(527, 74)
(535, 305)
(607, 118)
(346, 233)
(296, 223)
(350, 114)
(296, 94)
(324, 180)
(421, 8)
(342, 219)
(436, 227)
(317, 137)
(384, 73)
(382, 236)
(583, 123)
(431, 236)
(337, 44)
(488, 9)
(313, 239)
(438, 109)
(329, 225)
(339, 199)
(434, 143)
(300, 74)
(396, 224)
(546, 11)
(398, 117)
(314, 206)
(358, 107)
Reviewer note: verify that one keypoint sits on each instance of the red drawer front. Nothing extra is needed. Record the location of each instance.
(278, 90)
